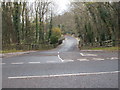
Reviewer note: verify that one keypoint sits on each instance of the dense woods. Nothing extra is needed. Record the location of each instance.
(27, 25)
(95, 23)
(34, 25)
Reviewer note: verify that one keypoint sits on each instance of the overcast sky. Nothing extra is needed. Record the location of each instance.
(62, 5)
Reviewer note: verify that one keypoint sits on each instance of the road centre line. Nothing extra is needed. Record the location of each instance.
(114, 58)
(61, 75)
(66, 60)
(98, 59)
(82, 59)
(17, 63)
(33, 62)
(51, 61)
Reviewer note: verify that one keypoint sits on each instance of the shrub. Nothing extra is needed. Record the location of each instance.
(53, 39)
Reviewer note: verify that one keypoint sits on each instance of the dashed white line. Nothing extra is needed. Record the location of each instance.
(98, 59)
(33, 62)
(68, 60)
(113, 58)
(82, 59)
(61, 75)
(17, 63)
(51, 61)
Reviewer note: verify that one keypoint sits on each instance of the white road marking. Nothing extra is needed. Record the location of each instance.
(17, 63)
(33, 62)
(66, 60)
(82, 54)
(82, 59)
(60, 57)
(88, 54)
(51, 61)
(61, 75)
(98, 59)
(113, 58)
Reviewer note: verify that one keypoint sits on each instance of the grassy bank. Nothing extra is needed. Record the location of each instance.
(101, 48)
(10, 51)
(39, 49)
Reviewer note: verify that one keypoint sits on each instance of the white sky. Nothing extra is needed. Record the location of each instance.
(62, 5)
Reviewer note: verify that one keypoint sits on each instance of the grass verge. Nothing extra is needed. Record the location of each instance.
(14, 50)
(102, 48)
(10, 51)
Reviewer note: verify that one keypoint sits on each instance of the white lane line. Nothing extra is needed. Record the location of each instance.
(68, 60)
(17, 63)
(82, 59)
(33, 62)
(88, 54)
(98, 59)
(113, 58)
(60, 57)
(51, 61)
(61, 75)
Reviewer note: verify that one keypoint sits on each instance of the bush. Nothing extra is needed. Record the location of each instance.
(53, 39)
(56, 34)
(61, 40)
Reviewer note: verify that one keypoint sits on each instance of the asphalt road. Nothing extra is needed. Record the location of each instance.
(63, 67)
